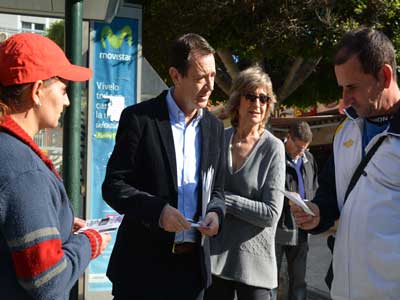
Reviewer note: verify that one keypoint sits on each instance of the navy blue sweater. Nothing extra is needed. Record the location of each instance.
(39, 256)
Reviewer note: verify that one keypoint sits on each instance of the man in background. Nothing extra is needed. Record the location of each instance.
(301, 177)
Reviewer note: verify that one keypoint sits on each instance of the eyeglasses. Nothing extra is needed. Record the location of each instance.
(299, 145)
(264, 99)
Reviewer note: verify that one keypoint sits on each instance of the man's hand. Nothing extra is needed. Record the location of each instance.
(78, 224)
(172, 220)
(210, 224)
(304, 220)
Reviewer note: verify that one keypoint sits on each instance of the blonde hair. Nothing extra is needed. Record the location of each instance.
(246, 82)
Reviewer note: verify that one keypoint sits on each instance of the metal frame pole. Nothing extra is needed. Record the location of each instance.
(72, 118)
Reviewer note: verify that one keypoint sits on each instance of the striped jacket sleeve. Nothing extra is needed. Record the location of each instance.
(36, 221)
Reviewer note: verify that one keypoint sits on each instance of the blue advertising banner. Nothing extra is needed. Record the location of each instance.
(114, 86)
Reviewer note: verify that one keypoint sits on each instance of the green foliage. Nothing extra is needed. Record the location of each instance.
(380, 14)
(273, 32)
(56, 33)
(317, 88)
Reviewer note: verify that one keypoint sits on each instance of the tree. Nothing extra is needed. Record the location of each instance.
(292, 39)
(56, 33)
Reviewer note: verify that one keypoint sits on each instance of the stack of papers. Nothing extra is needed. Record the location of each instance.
(206, 194)
(207, 182)
(296, 199)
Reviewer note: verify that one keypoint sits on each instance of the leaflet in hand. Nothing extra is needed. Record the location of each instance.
(296, 199)
(103, 225)
(193, 224)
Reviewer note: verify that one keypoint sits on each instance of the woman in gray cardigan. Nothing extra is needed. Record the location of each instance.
(243, 254)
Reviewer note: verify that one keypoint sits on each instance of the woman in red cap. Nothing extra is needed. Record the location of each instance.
(41, 258)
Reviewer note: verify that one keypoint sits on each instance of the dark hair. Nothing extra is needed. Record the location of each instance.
(302, 131)
(3, 111)
(183, 47)
(10, 96)
(372, 47)
(248, 81)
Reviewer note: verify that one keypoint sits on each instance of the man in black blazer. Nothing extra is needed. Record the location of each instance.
(164, 148)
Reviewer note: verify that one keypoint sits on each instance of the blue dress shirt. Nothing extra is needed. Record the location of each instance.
(187, 152)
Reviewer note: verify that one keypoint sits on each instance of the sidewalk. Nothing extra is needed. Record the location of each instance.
(319, 258)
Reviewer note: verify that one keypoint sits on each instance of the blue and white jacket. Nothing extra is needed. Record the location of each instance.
(366, 258)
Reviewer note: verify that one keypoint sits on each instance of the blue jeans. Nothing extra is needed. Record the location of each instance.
(296, 257)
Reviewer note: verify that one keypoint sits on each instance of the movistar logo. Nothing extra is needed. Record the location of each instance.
(116, 40)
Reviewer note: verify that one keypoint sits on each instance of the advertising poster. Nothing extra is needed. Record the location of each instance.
(114, 61)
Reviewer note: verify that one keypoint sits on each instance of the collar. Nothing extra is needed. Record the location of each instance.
(394, 120)
(394, 124)
(175, 113)
(380, 120)
(12, 127)
(351, 113)
(291, 161)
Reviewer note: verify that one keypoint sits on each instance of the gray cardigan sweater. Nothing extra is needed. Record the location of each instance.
(244, 251)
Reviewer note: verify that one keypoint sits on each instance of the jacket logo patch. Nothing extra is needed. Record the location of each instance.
(348, 143)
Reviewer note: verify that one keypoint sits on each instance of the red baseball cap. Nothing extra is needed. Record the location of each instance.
(29, 57)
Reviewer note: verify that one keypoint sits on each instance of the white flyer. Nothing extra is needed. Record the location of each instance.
(193, 224)
(108, 224)
(295, 197)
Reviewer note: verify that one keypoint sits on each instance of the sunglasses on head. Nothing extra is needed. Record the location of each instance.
(263, 98)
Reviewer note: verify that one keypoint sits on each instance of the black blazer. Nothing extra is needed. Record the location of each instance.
(141, 178)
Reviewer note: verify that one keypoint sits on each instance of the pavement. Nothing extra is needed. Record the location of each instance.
(319, 258)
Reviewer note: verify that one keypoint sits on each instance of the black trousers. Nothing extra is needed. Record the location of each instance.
(181, 281)
(296, 257)
(222, 289)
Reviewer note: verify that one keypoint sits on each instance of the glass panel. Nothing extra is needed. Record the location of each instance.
(39, 26)
(26, 25)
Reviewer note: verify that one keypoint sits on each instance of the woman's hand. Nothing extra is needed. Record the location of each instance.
(78, 224)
